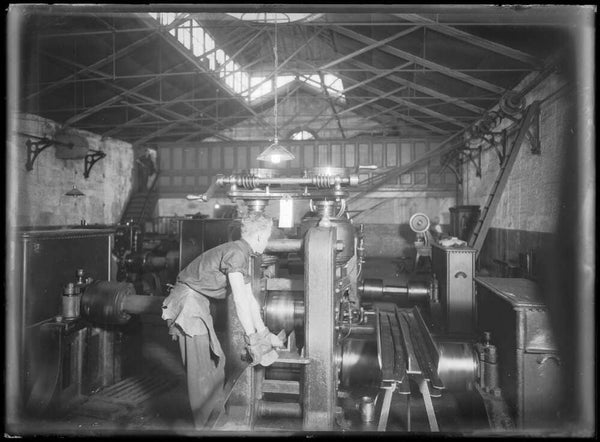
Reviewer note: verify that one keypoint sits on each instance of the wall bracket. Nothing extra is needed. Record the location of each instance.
(500, 147)
(34, 148)
(474, 157)
(90, 160)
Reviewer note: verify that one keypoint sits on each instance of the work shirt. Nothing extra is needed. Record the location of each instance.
(205, 277)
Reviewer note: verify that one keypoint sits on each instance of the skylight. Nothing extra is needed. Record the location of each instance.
(250, 87)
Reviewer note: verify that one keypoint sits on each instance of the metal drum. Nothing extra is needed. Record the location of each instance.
(458, 365)
(284, 311)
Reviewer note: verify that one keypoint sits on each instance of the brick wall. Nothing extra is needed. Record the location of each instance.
(530, 204)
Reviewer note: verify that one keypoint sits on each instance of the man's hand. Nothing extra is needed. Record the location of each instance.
(275, 341)
(260, 350)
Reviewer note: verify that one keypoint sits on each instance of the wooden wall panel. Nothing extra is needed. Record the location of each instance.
(191, 167)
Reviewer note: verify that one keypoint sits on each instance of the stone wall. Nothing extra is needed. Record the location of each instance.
(41, 199)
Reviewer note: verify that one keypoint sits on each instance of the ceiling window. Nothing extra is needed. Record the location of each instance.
(251, 87)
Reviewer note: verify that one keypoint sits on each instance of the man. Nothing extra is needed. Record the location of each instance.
(186, 310)
(147, 169)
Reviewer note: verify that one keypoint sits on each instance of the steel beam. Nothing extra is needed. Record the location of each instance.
(473, 39)
(175, 44)
(428, 91)
(414, 106)
(376, 77)
(120, 53)
(421, 61)
(369, 47)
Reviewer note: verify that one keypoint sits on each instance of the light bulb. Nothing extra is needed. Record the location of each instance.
(276, 159)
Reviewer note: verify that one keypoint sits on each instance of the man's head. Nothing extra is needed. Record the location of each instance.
(256, 230)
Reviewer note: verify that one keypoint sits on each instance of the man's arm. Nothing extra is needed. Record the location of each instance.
(259, 325)
(248, 310)
(242, 302)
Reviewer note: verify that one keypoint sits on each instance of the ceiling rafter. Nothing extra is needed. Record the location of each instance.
(108, 59)
(368, 48)
(174, 43)
(235, 116)
(421, 61)
(473, 39)
(417, 107)
(425, 90)
(144, 98)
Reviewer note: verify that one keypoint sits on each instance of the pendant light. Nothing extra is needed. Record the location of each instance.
(74, 192)
(275, 153)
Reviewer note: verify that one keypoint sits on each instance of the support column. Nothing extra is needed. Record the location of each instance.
(320, 382)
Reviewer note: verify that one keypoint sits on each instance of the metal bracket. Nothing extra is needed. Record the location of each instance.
(533, 134)
(501, 153)
(90, 160)
(34, 148)
(474, 156)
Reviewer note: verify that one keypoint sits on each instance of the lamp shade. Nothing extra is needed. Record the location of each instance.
(74, 192)
(275, 153)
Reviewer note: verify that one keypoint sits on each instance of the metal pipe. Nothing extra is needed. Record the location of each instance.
(279, 409)
(284, 245)
(249, 181)
(412, 293)
(142, 304)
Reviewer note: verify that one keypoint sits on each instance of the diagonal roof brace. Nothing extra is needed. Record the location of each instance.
(421, 61)
(473, 39)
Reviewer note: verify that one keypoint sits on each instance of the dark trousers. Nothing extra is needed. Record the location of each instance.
(205, 376)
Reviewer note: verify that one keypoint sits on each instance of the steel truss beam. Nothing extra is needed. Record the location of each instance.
(421, 61)
(425, 90)
(473, 39)
(414, 106)
(369, 47)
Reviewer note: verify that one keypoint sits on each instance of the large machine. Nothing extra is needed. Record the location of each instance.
(355, 345)
(442, 351)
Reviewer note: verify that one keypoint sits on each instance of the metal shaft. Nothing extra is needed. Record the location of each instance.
(284, 245)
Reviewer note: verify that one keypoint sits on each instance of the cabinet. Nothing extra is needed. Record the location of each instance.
(528, 361)
(454, 270)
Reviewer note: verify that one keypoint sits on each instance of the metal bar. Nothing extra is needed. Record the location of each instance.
(374, 99)
(414, 106)
(433, 425)
(138, 95)
(431, 92)
(232, 57)
(380, 75)
(422, 62)
(443, 28)
(385, 409)
(115, 98)
(369, 47)
(102, 62)
(175, 44)
(403, 102)
(209, 128)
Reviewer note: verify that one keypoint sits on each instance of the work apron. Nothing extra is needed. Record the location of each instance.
(188, 314)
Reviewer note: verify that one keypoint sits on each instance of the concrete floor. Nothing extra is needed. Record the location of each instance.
(165, 410)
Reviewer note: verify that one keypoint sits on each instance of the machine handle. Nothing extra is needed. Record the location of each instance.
(543, 359)
(463, 274)
(196, 197)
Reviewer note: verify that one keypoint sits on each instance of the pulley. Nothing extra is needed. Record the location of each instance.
(419, 223)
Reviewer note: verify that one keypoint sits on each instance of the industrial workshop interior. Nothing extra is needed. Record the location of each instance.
(430, 174)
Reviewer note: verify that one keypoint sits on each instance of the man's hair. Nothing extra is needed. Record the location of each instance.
(256, 223)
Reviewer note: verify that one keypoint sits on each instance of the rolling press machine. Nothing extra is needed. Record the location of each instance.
(339, 342)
